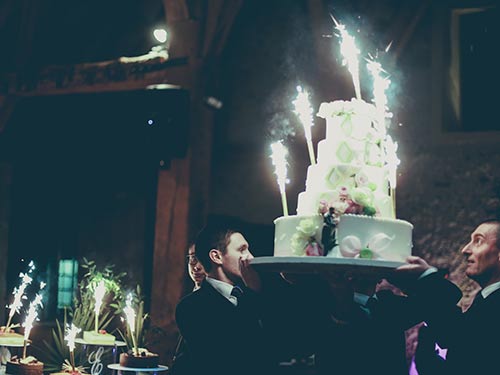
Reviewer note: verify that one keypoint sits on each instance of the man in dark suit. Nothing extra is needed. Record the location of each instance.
(222, 322)
(471, 337)
(367, 330)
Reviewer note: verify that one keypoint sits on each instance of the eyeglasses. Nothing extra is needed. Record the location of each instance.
(191, 258)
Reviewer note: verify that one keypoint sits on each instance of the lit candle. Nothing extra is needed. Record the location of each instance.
(305, 113)
(71, 332)
(130, 317)
(350, 54)
(99, 293)
(278, 157)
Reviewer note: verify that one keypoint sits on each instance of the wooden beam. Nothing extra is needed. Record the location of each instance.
(117, 75)
(170, 244)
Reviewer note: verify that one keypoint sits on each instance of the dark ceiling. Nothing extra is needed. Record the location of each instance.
(40, 33)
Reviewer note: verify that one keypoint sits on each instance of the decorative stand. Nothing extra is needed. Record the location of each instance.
(146, 371)
(94, 356)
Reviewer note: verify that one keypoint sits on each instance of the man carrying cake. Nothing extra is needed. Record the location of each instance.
(229, 323)
(471, 337)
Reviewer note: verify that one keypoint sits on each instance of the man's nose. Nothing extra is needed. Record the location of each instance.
(466, 249)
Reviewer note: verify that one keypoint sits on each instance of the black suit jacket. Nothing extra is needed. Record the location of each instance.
(223, 338)
(472, 338)
(371, 341)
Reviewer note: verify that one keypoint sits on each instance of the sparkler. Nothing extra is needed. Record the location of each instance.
(278, 157)
(71, 332)
(130, 317)
(99, 293)
(392, 163)
(350, 54)
(305, 113)
(380, 85)
(31, 317)
(18, 293)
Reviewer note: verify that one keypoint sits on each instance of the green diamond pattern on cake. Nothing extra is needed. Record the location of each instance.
(345, 153)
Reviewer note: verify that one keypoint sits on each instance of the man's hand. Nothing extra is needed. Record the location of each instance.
(250, 277)
(414, 267)
(409, 273)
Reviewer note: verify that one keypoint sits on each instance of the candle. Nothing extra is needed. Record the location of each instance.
(305, 113)
(278, 157)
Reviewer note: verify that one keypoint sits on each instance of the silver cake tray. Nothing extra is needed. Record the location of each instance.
(328, 265)
(119, 368)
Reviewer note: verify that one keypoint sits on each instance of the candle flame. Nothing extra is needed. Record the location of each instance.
(71, 332)
(278, 157)
(350, 54)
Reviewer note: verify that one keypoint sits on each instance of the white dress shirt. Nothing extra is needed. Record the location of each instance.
(223, 288)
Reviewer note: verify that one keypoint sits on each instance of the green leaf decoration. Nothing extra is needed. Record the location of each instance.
(345, 153)
(346, 124)
(366, 253)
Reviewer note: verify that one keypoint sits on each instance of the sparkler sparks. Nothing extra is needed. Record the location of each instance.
(130, 317)
(99, 293)
(278, 157)
(305, 113)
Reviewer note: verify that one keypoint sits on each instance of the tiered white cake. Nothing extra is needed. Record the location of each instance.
(346, 209)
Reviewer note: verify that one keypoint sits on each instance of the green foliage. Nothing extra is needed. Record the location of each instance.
(83, 314)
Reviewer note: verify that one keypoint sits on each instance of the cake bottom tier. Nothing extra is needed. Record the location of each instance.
(356, 236)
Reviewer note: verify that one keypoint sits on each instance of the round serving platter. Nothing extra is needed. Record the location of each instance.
(350, 266)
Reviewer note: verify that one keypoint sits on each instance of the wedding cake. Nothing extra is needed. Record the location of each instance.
(346, 209)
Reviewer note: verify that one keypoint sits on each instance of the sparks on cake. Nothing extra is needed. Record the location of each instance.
(346, 210)
(143, 358)
(24, 366)
(98, 338)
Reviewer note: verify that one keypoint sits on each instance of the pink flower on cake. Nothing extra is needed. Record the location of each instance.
(343, 193)
(314, 249)
(323, 207)
(353, 208)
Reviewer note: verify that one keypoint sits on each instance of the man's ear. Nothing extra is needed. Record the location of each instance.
(215, 256)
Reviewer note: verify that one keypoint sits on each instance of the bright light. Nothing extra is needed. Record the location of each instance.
(278, 157)
(160, 35)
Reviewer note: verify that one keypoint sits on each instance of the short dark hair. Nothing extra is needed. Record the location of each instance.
(215, 235)
(497, 223)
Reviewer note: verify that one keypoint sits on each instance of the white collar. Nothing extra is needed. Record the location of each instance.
(223, 288)
(360, 298)
(490, 289)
